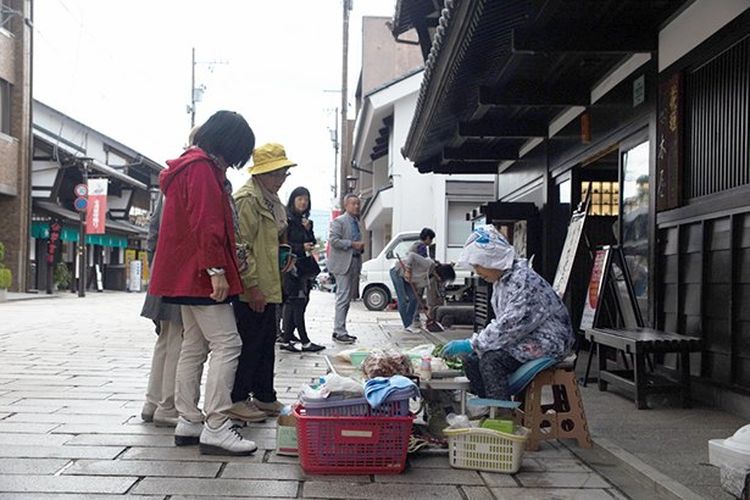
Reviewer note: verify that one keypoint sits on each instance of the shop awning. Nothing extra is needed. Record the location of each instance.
(499, 73)
(40, 229)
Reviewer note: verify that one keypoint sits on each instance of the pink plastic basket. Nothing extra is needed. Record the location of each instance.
(357, 407)
(352, 445)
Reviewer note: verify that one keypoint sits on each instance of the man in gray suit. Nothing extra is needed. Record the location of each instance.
(345, 262)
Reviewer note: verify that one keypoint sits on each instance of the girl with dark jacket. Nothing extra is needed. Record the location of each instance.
(298, 283)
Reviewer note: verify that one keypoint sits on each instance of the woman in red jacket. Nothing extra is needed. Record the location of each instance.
(196, 266)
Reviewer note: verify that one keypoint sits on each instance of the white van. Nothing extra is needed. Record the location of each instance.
(375, 285)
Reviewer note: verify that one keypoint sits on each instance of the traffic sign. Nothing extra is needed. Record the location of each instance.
(81, 204)
(81, 190)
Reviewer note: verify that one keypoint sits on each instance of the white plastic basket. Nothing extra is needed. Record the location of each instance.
(486, 450)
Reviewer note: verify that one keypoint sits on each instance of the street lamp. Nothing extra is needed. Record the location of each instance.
(351, 183)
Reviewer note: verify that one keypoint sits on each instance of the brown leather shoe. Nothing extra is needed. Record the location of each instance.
(246, 411)
(270, 409)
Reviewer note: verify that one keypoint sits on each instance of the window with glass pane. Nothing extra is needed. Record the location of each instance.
(634, 220)
(458, 227)
(403, 246)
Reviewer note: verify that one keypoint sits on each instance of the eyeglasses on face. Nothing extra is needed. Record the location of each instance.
(282, 174)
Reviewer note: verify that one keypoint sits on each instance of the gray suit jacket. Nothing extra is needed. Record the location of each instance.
(340, 237)
(153, 307)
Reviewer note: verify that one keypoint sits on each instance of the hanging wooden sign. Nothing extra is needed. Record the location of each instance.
(669, 143)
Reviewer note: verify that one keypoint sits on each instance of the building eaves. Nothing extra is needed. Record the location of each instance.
(114, 142)
(62, 145)
(408, 11)
(452, 37)
(393, 82)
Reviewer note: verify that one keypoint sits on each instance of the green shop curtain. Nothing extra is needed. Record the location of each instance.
(40, 230)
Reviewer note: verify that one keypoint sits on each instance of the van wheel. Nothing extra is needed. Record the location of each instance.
(376, 298)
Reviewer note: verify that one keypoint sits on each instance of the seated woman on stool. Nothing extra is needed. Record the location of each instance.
(530, 319)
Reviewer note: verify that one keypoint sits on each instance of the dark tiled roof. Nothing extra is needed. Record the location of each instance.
(473, 49)
(407, 14)
(446, 30)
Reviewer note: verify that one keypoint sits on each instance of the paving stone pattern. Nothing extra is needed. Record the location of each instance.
(72, 377)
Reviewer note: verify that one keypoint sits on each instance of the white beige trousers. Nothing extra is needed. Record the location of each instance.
(161, 380)
(207, 329)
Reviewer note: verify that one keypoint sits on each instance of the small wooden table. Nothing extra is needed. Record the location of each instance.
(640, 342)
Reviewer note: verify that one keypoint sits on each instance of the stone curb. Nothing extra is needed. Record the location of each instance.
(26, 299)
(634, 477)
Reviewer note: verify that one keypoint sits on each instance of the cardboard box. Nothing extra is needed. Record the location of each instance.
(286, 436)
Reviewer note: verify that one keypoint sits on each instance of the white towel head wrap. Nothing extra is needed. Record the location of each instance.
(488, 248)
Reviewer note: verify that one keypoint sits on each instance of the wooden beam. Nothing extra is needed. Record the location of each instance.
(466, 167)
(486, 129)
(438, 165)
(583, 39)
(529, 96)
(425, 42)
(481, 154)
(378, 154)
(380, 147)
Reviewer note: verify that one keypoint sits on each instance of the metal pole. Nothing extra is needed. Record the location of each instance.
(336, 159)
(192, 92)
(82, 257)
(344, 95)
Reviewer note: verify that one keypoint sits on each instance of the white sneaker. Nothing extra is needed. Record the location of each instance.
(187, 433)
(226, 440)
(412, 329)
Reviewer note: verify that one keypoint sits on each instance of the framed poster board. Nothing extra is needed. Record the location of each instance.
(610, 275)
(569, 251)
(596, 287)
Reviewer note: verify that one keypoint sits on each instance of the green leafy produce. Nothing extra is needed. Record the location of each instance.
(451, 362)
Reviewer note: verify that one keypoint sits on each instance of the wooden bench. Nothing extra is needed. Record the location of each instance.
(640, 342)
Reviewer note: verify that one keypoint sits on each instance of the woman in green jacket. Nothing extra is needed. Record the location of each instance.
(262, 223)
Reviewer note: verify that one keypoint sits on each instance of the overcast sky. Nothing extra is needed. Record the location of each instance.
(123, 68)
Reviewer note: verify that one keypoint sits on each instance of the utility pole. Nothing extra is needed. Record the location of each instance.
(196, 93)
(336, 145)
(344, 98)
(192, 91)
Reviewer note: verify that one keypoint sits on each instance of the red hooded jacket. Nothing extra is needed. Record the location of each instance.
(196, 229)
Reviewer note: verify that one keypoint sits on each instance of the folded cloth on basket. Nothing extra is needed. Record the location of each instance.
(332, 387)
(380, 390)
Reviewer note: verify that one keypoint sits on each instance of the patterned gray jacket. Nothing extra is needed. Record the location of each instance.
(530, 319)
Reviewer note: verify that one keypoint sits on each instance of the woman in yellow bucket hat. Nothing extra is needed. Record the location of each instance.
(263, 223)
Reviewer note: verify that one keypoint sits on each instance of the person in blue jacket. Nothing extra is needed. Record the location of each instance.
(530, 322)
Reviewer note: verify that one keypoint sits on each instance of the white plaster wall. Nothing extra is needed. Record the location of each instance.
(694, 25)
(413, 192)
(378, 240)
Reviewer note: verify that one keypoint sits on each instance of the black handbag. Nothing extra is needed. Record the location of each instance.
(307, 267)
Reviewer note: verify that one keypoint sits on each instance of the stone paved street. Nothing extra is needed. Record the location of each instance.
(72, 378)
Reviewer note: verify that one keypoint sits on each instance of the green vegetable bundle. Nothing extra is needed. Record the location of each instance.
(451, 362)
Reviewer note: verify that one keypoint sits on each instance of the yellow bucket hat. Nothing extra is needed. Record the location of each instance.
(270, 157)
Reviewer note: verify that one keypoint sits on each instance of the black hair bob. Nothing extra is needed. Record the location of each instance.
(227, 134)
(299, 191)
